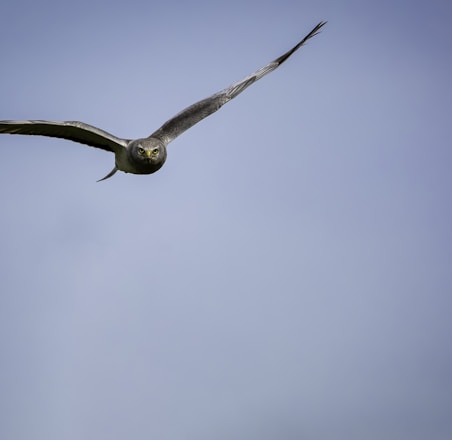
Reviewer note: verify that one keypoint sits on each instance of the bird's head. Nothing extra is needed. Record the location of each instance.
(147, 155)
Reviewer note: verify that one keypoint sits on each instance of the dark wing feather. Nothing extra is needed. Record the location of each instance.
(70, 130)
(200, 110)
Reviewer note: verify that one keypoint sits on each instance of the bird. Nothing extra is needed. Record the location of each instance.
(146, 155)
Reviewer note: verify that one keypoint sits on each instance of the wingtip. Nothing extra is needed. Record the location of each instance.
(317, 28)
(313, 33)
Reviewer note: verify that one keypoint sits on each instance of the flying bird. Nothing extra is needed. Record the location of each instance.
(146, 155)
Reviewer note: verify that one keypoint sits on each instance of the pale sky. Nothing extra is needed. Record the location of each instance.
(286, 275)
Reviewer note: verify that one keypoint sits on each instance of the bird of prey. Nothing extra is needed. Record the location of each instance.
(145, 155)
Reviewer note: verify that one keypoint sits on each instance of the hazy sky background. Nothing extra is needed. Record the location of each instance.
(286, 275)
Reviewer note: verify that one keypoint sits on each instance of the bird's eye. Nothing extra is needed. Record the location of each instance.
(140, 150)
(155, 151)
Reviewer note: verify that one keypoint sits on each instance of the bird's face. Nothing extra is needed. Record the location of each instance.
(147, 155)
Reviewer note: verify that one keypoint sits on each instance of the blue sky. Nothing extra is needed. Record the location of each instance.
(286, 274)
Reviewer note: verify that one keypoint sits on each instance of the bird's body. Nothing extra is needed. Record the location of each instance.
(145, 155)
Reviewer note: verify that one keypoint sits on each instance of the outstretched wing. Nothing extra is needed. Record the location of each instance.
(71, 130)
(200, 110)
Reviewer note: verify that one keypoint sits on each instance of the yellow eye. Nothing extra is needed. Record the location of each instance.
(140, 150)
(155, 151)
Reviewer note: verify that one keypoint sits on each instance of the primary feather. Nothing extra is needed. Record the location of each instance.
(134, 156)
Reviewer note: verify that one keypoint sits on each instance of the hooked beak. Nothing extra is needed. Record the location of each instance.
(148, 154)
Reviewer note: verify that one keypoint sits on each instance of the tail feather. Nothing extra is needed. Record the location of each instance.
(113, 171)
